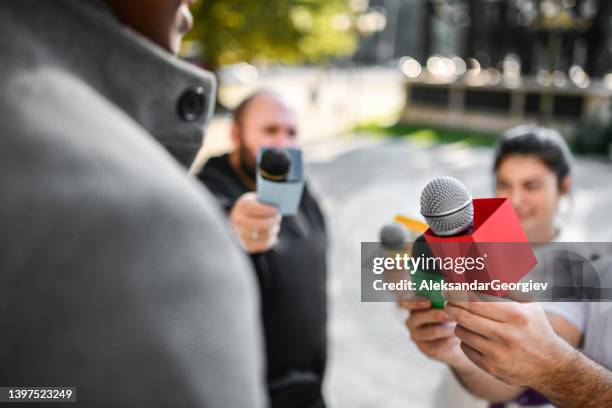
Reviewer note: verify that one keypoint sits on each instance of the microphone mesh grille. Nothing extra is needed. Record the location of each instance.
(393, 236)
(447, 195)
(452, 224)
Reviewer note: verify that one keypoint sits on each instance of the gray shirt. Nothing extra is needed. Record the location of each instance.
(117, 271)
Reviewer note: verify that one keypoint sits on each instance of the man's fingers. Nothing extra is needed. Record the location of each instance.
(259, 237)
(493, 308)
(259, 224)
(436, 347)
(474, 355)
(473, 322)
(419, 318)
(415, 304)
(474, 340)
(433, 332)
(254, 208)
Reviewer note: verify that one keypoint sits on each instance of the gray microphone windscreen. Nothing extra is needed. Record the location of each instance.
(393, 237)
(447, 206)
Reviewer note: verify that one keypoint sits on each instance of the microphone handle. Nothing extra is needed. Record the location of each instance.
(430, 277)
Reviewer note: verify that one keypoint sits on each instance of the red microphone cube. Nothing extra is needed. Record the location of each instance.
(497, 240)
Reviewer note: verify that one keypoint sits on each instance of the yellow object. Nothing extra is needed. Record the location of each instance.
(415, 226)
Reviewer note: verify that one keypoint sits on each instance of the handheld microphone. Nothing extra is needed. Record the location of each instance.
(280, 178)
(447, 207)
(433, 275)
(486, 229)
(393, 239)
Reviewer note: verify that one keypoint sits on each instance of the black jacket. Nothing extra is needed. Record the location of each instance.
(292, 278)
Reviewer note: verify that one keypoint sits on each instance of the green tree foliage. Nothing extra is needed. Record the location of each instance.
(288, 31)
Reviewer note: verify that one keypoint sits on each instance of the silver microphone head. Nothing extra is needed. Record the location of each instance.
(393, 237)
(447, 206)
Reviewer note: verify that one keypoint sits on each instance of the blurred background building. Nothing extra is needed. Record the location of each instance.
(551, 35)
(480, 65)
(511, 60)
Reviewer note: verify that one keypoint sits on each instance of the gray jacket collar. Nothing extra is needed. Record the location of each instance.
(171, 99)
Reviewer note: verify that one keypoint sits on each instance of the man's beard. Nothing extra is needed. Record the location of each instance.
(247, 162)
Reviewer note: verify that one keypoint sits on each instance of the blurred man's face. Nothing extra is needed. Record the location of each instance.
(266, 122)
(533, 190)
(162, 21)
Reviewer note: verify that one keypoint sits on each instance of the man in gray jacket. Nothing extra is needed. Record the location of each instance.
(118, 275)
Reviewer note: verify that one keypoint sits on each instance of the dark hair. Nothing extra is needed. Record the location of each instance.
(544, 143)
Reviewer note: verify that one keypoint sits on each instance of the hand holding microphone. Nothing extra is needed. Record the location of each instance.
(256, 224)
(256, 216)
(280, 179)
(430, 328)
(449, 210)
(505, 339)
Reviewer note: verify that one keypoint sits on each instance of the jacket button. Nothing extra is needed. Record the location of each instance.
(192, 104)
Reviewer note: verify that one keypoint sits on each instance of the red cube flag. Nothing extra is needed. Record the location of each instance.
(497, 237)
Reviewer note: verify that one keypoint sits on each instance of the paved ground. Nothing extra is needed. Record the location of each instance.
(362, 183)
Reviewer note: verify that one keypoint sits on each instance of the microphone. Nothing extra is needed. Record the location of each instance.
(393, 237)
(447, 207)
(433, 275)
(482, 237)
(280, 178)
(274, 165)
